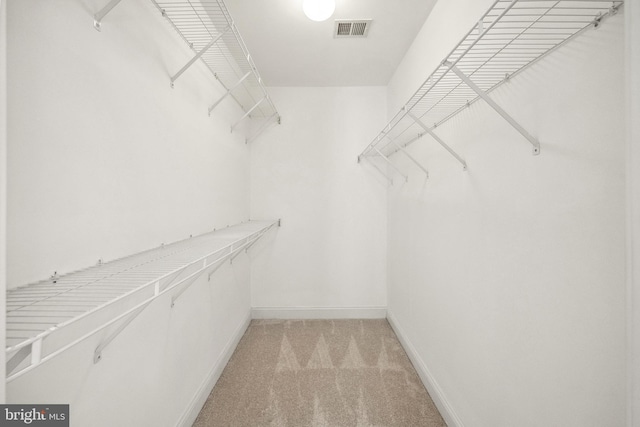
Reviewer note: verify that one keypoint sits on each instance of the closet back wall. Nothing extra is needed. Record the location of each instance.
(105, 159)
(329, 259)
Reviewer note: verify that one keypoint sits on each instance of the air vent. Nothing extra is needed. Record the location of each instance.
(352, 27)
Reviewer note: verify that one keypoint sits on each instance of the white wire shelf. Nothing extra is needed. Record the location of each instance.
(208, 28)
(46, 318)
(510, 36)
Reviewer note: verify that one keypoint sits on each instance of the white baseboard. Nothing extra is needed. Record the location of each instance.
(319, 312)
(199, 399)
(430, 383)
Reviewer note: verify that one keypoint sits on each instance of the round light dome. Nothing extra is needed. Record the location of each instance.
(318, 10)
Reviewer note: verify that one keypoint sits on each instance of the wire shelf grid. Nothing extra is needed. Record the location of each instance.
(108, 292)
(512, 35)
(201, 22)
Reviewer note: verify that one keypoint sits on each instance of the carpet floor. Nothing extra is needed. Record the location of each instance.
(317, 373)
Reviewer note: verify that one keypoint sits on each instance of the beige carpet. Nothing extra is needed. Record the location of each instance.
(298, 373)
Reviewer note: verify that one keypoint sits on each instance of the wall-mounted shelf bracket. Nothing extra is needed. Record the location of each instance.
(34, 350)
(233, 126)
(438, 139)
(482, 94)
(198, 55)
(376, 167)
(390, 163)
(228, 92)
(98, 17)
(220, 263)
(247, 245)
(263, 126)
(417, 163)
(17, 359)
(192, 279)
(231, 254)
(97, 354)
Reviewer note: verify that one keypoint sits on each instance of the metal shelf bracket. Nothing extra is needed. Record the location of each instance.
(97, 354)
(376, 167)
(482, 94)
(17, 359)
(98, 17)
(228, 92)
(438, 139)
(386, 159)
(194, 277)
(417, 163)
(245, 115)
(263, 126)
(198, 55)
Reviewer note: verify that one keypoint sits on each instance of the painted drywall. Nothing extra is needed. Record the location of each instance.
(105, 160)
(330, 251)
(441, 35)
(632, 33)
(508, 280)
(3, 184)
(158, 370)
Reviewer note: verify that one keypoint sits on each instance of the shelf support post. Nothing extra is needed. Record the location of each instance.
(438, 139)
(482, 94)
(215, 104)
(98, 17)
(198, 55)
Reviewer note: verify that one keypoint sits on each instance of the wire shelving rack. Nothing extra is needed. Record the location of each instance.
(46, 318)
(209, 30)
(509, 37)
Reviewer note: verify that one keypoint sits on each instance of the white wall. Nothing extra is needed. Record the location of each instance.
(159, 370)
(441, 36)
(105, 159)
(3, 185)
(331, 249)
(508, 280)
(632, 32)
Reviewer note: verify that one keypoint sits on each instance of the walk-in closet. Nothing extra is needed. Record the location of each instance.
(292, 213)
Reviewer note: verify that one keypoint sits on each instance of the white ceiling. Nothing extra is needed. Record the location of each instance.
(291, 50)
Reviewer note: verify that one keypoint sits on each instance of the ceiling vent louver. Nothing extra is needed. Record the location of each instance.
(351, 28)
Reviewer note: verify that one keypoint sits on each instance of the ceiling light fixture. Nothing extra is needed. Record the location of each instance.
(318, 10)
